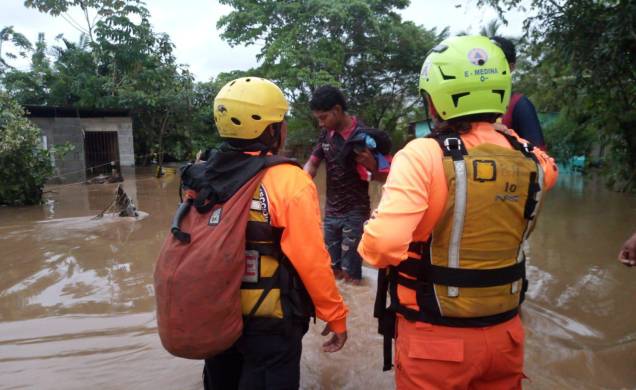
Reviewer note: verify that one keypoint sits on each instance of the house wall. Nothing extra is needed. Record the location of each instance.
(60, 130)
(123, 127)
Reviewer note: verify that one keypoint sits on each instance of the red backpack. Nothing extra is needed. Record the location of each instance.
(201, 265)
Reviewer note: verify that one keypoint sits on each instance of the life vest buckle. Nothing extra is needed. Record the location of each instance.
(527, 147)
(452, 143)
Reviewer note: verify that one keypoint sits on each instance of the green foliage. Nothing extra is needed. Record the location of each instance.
(25, 164)
(581, 58)
(362, 46)
(19, 41)
(119, 62)
(569, 136)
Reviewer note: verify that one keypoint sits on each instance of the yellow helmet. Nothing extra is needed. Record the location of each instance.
(244, 107)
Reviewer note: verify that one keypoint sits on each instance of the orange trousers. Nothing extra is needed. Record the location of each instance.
(440, 357)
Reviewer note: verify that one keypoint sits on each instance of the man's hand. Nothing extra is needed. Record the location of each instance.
(627, 255)
(198, 157)
(501, 127)
(365, 157)
(336, 342)
(311, 168)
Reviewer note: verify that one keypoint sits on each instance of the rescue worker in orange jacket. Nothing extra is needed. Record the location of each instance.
(450, 232)
(284, 229)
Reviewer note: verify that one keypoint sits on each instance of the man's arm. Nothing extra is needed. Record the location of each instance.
(312, 165)
(366, 159)
(317, 155)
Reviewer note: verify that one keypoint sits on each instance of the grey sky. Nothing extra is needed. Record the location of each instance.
(191, 25)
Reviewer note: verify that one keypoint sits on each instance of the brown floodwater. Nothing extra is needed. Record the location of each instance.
(77, 304)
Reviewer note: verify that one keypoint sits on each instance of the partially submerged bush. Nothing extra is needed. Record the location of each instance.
(24, 163)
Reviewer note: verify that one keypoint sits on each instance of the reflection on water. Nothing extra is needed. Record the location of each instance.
(76, 297)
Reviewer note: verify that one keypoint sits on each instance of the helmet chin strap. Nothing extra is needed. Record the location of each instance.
(276, 137)
(432, 117)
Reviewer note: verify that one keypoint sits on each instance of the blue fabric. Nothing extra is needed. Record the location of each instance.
(342, 235)
(525, 122)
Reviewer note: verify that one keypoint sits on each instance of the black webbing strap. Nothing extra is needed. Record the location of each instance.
(264, 249)
(259, 231)
(451, 145)
(432, 317)
(418, 246)
(200, 202)
(531, 202)
(462, 277)
(263, 282)
(525, 148)
(424, 273)
(385, 316)
(285, 301)
(413, 267)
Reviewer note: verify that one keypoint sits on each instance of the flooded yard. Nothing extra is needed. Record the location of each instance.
(77, 303)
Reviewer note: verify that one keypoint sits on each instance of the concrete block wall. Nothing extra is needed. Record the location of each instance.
(123, 127)
(71, 168)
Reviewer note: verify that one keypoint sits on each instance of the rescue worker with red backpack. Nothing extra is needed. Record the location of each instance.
(245, 266)
(450, 232)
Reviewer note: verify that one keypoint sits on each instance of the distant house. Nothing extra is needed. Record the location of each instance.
(101, 138)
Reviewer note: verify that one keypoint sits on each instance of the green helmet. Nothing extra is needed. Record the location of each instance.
(466, 75)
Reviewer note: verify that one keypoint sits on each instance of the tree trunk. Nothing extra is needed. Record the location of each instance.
(161, 134)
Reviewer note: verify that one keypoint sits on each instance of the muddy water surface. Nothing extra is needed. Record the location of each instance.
(76, 297)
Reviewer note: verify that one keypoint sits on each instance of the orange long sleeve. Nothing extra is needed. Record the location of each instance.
(294, 207)
(406, 198)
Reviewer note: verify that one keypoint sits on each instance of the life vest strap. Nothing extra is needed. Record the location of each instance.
(264, 249)
(457, 322)
(531, 203)
(451, 144)
(260, 231)
(525, 148)
(462, 277)
(262, 283)
(386, 317)
(426, 273)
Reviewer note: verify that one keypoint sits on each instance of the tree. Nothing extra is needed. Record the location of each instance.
(585, 53)
(32, 86)
(491, 29)
(19, 41)
(119, 62)
(362, 46)
(25, 163)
